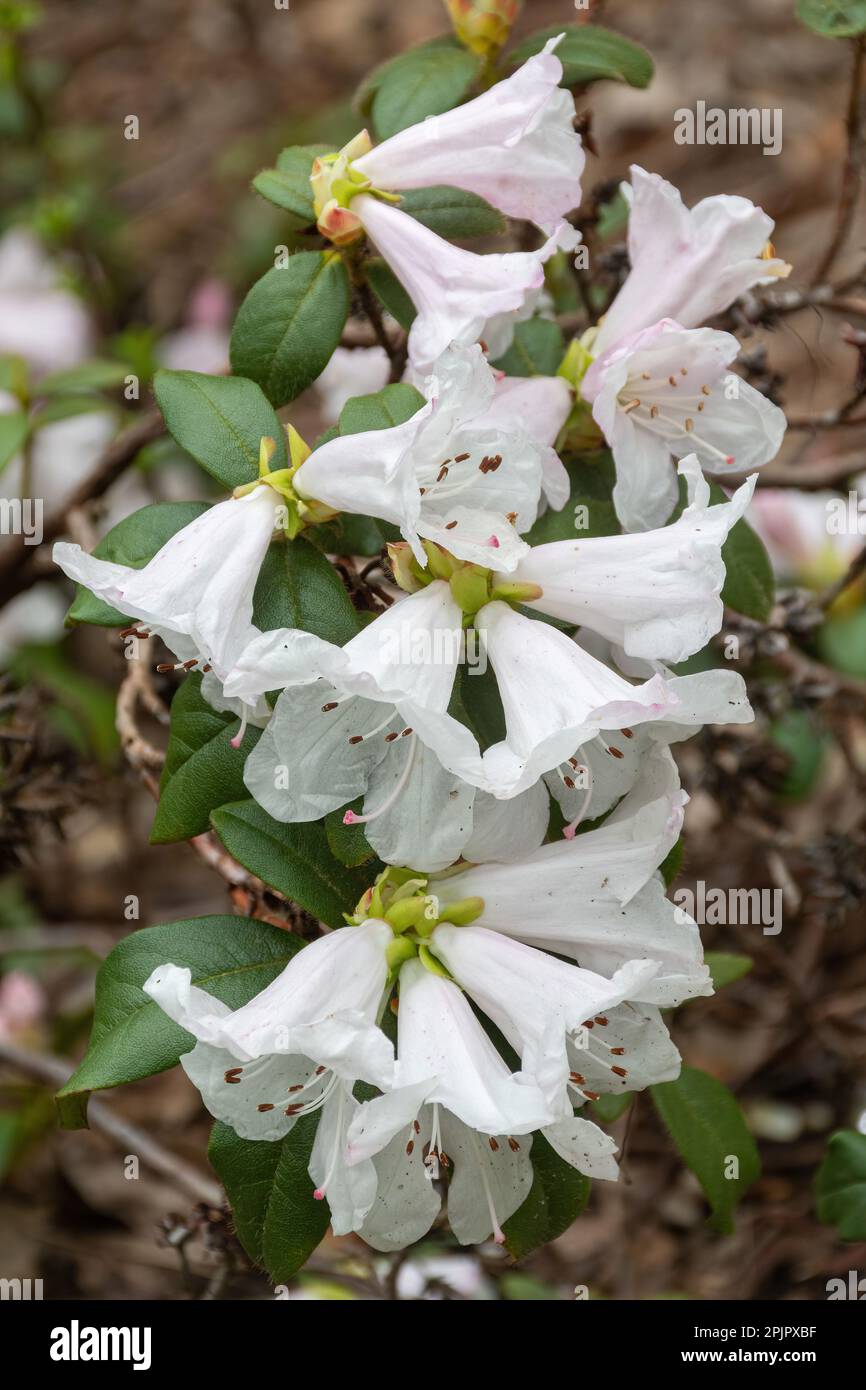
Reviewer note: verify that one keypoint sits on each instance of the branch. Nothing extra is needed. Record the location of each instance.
(55, 1072)
(852, 173)
(854, 571)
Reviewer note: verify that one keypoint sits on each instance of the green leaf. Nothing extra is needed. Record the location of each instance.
(201, 770)
(834, 19)
(708, 1129)
(380, 410)
(13, 432)
(452, 213)
(65, 407)
(220, 421)
(589, 510)
(294, 859)
(390, 291)
(589, 53)
(423, 82)
(290, 322)
(277, 1218)
(840, 1184)
(133, 542)
(298, 587)
(232, 958)
(353, 535)
(537, 350)
(672, 862)
(557, 1197)
(288, 186)
(726, 967)
(96, 375)
(799, 735)
(608, 1108)
(348, 843)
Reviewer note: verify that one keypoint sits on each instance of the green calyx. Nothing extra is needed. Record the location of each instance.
(299, 511)
(472, 586)
(403, 899)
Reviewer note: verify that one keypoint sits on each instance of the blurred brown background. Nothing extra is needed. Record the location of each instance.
(219, 86)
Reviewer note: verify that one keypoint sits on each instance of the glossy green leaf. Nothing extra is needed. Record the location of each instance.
(557, 1197)
(452, 213)
(537, 350)
(201, 768)
(290, 322)
(133, 542)
(840, 1184)
(277, 1218)
(295, 859)
(589, 53)
(392, 294)
(232, 958)
(423, 82)
(97, 375)
(14, 429)
(726, 967)
(834, 19)
(298, 587)
(589, 510)
(220, 421)
(708, 1129)
(288, 186)
(380, 410)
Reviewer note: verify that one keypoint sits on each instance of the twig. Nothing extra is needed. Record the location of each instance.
(852, 173)
(854, 571)
(55, 1072)
(136, 688)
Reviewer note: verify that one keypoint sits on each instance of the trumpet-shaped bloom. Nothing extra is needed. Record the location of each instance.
(298, 1047)
(686, 264)
(667, 391)
(459, 295)
(514, 145)
(456, 1110)
(196, 594)
(464, 482)
(597, 898)
(660, 384)
(657, 594)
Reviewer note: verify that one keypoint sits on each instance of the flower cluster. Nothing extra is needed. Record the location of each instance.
(509, 963)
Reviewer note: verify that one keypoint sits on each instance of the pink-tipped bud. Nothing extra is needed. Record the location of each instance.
(319, 1194)
(494, 542)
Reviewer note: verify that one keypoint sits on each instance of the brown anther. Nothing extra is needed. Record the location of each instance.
(206, 668)
(601, 1020)
(645, 376)
(444, 1159)
(672, 381)
(591, 1095)
(389, 738)
(705, 390)
(654, 410)
(416, 1126)
(422, 492)
(627, 733)
(460, 458)
(576, 1077)
(299, 1086)
(588, 1023)
(619, 1071)
(266, 1105)
(357, 738)
(494, 1144)
(164, 666)
(617, 1051)
(701, 405)
(332, 704)
(615, 752)
(407, 732)
(632, 405)
(232, 1076)
(568, 782)
(442, 474)
(319, 1070)
(690, 424)
(511, 516)
(449, 525)
(188, 665)
(293, 1109)
(513, 1145)
(409, 1147)
(684, 371)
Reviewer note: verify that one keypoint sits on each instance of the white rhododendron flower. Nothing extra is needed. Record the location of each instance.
(296, 1048)
(597, 898)
(455, 1108)
(659, 384)
(515, 146)
(471, 487)
(196, 594)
